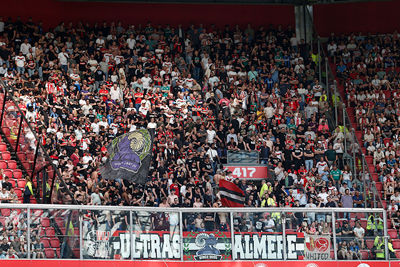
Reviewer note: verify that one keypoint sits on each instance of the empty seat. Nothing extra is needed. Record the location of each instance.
(76, 253)
(379, 186)
(18, 191)
(384, 204)
(26, 165)
(50, 232)
(3, 147)
(369, 159)
(45, 222)
(42, 231)
(21, 183)
(17, 174)
(375, 177)
(396, 244)
(3, 164)
(398, 254)
(21, 156)
(49, 253)
(8, 173)
(392, 233)
(5, 155)
(5, 212)
(45, 242)
(2, 221)
(58, 253)
(30, 156)
(365, 254)
(12, 164)
(371, 168)
(54, 242)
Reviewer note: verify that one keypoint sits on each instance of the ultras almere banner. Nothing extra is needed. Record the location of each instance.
(113, 263)
(196, 246)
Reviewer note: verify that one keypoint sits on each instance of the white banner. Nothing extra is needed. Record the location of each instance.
(317, 247)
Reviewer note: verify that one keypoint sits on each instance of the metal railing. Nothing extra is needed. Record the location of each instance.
(185, 234)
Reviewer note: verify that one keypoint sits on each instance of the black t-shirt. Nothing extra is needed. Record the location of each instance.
(297, 152)
(98, 75)
(308, 151)
(207, 166)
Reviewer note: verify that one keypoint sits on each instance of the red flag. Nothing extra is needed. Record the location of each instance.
(231, 194)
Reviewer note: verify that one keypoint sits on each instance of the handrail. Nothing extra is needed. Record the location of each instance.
(40, 146)
(162, 209)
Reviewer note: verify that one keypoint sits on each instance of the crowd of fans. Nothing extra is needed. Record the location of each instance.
(205, 91)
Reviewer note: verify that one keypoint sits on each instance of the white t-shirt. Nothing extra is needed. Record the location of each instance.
(146, 82)
(20, 61)
(324, 197)
(25, 48)
(210, 136)
(63, 58)
(131, 43)
(95, 127)
(359, 231)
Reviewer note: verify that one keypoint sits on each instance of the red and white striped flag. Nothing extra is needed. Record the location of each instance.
(231, 194)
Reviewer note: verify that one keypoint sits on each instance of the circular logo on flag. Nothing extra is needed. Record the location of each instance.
(319, 244)
(261, 265)
(363, 265)
(322, 244)
(312, 265)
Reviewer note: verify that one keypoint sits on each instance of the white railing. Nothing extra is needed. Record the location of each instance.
(153, 233)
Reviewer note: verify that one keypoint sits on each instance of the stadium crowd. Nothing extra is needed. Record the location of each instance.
(204, 91)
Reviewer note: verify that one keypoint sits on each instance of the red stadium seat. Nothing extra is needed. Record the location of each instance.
(2, 221)
(17, 174)
(58, 253)
(30, 156)
(21, 156)
(379, 186)
(365, 254)
(18, 191)
(3, 147)
(54, 242)
(13, 182)
(50, 232)
(26, 165)
(8, 173)
(45, 222)
(6, 131)
(397, 254)
(392, 233)
(396, 244)
(5, 155)
(5, 212)
(12, 164)
(76, 253)
(49, 253)
(45, 242)
(3, 164)
(21, 183)
(369, 159)
(384, 204)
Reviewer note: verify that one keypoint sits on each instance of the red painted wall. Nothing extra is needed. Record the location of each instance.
(381, 17)
(51, 12)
